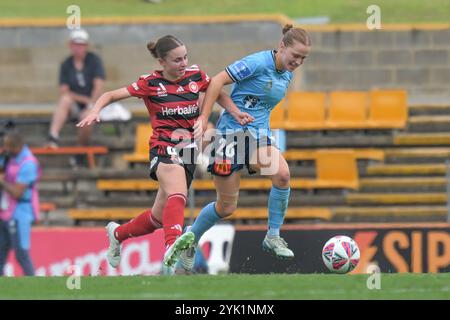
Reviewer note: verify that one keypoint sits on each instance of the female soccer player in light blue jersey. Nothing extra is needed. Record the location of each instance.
(260, 82)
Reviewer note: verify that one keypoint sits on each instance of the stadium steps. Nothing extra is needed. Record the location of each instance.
(391, 213)
(340, 140)
(416, 155)
(428, 110)
(60, 201)
(389, 184)
(405, 169)
(387, 211)
(431, 152)
(114, 213)
(420, 139)
(411, 198)
(246, 199)
(429, 123)
(123, 143)
(429, 119)
(386, 191)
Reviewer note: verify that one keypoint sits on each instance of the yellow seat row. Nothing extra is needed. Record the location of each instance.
(377, 109)
(241, 213)
(335, 168)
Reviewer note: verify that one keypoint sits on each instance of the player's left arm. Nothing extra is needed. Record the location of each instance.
(225, 101)
(104, 100)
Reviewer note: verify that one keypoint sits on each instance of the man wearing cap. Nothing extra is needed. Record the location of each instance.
(81, 80)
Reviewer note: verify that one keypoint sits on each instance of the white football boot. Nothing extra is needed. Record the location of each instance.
(115, 247)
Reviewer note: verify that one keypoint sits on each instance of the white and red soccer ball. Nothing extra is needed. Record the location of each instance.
(340, 254)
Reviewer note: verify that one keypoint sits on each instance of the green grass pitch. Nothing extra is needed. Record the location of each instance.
(339, 11)
(233, 286)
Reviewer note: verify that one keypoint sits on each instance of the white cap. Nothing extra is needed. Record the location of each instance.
(79, 36)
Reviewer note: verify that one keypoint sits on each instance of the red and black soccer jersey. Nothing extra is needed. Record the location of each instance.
(172, 106)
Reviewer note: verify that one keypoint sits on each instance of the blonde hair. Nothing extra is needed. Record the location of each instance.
(291, 34)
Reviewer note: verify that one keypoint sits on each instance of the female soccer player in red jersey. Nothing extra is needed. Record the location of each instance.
(173, 98)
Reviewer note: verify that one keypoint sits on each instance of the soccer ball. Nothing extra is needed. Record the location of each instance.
(340, 254)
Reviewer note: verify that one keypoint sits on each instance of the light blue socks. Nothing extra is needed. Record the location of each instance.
(205, 220)
(278, 203)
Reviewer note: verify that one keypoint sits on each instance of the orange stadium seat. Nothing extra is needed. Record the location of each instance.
(305, 111)
(337, 168)
(89, 151)
(388, 109)
(83, 214)
(363, 153)
(141, 151)
(348, 110)
(46, 207)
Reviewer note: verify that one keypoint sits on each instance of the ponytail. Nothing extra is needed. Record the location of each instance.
(291, 34)
(160, 48)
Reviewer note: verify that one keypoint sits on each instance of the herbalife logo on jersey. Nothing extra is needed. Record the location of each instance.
(192, 109)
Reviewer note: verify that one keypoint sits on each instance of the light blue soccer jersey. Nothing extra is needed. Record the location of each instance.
(258, 87)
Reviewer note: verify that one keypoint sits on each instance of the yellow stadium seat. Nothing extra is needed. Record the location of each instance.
(348, 110)
(337, 168)
(277, 116)
(326, 181)
(241, 213)
(141, 148)
(388, 109)
(363, 154)
(305, 111)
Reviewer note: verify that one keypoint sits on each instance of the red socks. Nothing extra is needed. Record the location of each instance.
(173, 217)
(144, 223)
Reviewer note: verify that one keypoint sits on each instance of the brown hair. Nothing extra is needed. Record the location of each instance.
(298, 34)
(162, 46)
(15, 138)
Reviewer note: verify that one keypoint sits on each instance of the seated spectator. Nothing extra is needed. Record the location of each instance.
(81, 79)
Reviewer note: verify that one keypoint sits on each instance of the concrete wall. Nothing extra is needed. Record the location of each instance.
(417, 60)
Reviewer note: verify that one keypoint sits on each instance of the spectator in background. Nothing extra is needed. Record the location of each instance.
(81, 80)
(19, 201)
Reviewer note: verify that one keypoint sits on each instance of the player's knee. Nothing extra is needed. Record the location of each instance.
(282, 179)
(225, 209)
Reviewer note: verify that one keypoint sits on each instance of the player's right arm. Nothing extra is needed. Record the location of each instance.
(104, 100)
(212, 93)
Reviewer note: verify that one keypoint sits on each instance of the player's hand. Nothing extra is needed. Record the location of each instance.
(200, 127)
(242, 118)
(92, 117)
